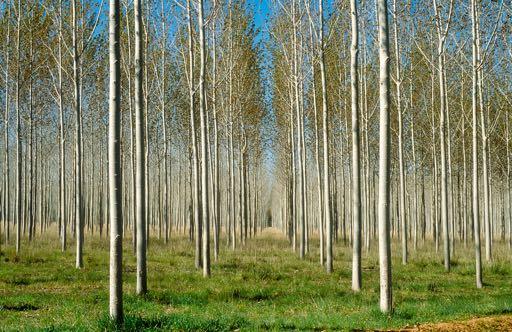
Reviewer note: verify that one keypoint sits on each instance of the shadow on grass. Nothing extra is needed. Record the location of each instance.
(181, 322)
(252, 295)
(176, 298)
(19, 307)
(499, 311)
(17, 281)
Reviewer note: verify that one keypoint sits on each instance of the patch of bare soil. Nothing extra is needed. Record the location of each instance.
(492, 323)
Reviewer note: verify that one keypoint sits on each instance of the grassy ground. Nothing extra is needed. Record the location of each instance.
(264, 286)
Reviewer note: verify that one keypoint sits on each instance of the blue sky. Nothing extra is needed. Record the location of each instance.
(261, 11)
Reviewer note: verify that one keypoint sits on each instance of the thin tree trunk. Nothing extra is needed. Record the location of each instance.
(115, 175)
(165, 199)
(386, 302)
(485, 147)
(415, 172)
(321, 224)
(441, 35)
(464, 166)
(140, 154)
(195, 191)
(216, 184)
(6, 194)
(204, 162)
(325, 124)
(474, 96)
(30, 154)
(146, 140)
(300, 186)
(78, 145)
(18, 139)
(356, 178)
(507, 187)
(403, 217)
(62, 175)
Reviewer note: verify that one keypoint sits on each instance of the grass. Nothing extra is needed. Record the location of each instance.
(264, 286)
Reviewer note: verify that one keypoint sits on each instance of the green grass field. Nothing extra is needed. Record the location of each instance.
(263, 286)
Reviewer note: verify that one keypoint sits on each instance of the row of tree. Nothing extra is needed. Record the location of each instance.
(213, 124)
(181, 157)
(433, 163)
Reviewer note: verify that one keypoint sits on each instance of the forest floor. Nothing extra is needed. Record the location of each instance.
(264, 286)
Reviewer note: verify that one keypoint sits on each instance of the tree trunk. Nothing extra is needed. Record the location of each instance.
(386, 302)
(140, 186)
(216, 184)
(6, 194)
(300, 186)
(441, 35)
(62, 175)
(18, 139)
(78, 146)
(403, 217)
(321, 224)
(204, 162)
(356, 179)
(114, 165)
(325, 124)
(474, 96)
(195, 191)
(485, 147)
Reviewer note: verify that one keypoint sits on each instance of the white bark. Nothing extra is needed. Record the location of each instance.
(165, 199)
(195, 187)
(485, 143)
(115, 176)
(62, 175)
(300, 191)
(18, 140)
(441, 36)
(356, 179)
(321, 224)
(386, 302)
(78, 146)
(325, 138)
(204, 146)
(140, 186)
(403, 217)
(216, 183)
(474, 96)
(6, 194)
(415, 173)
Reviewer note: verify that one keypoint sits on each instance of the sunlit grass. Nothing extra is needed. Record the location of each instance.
(261, 286)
